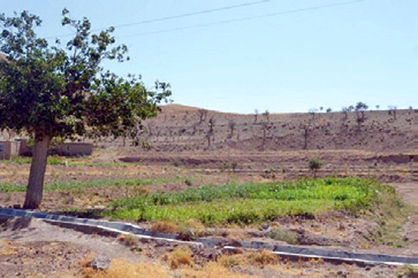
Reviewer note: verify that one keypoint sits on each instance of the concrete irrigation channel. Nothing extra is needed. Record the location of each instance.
(283, 250)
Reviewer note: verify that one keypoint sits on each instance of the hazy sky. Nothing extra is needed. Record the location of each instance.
(279, 55)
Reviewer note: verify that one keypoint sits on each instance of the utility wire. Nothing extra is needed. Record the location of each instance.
(293, 11)
(193, 13)
(166, 18)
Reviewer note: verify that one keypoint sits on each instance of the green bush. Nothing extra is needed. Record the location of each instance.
(314, 165)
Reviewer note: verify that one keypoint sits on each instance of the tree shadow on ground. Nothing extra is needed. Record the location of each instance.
(14, 223)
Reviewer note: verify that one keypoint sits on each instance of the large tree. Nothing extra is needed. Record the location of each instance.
(62, 90)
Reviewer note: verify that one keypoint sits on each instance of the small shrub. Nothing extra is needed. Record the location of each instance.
(282, 235)
(314, 165)
(136, 249)
(187, 234)
(263, 257)
(223, 166)
(188, 182)
(166, 227)
(234, 166)
(408, 271)
(179, 257)
(229, 261)
(191, 230)
(128, 240)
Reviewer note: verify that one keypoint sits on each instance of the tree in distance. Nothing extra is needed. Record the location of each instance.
(62, 91)
(360, 108)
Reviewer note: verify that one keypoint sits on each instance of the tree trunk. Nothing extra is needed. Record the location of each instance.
(37, 172)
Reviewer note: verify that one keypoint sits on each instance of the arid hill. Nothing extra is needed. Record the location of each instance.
(180, 128)
(379, 144)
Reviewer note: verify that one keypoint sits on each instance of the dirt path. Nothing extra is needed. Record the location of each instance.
(409, 193)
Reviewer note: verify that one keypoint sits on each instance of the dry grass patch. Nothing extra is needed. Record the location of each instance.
(128, 240)
(179, 257)
(263, 257)
(195, 225)
(120, 268)
(166, 227)
(191, 229)
(259, 258)
(213, 270)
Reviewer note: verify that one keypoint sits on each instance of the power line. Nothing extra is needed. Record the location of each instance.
(192, 13)
(166, 18)
(293, 11)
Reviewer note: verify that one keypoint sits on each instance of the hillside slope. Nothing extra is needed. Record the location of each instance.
(180, 128)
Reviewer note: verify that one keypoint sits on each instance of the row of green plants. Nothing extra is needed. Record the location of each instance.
(63, 186)
(252, 202)
(58, 160)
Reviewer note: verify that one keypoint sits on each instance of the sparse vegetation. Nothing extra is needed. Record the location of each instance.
(259, 258)
(63, 186)
(392, 216)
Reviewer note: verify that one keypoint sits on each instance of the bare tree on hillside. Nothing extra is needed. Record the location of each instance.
(266, 126)
(231, 125)
(266, 114)
(345, 110)
(313, 112)
(210, 135)
(202, 115)
(360, 108)
(306, 127)
(255, 115)
(392, 111)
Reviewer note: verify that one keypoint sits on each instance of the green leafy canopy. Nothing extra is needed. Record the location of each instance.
(62, 89)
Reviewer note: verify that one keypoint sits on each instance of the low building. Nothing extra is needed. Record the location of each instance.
(9, 149)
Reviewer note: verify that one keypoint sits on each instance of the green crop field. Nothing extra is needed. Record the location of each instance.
(253, 202)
